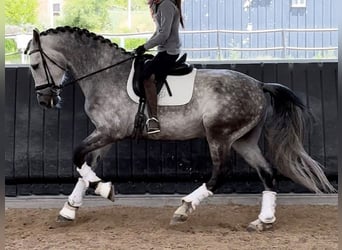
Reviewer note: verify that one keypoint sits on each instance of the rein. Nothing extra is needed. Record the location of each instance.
(98, 71)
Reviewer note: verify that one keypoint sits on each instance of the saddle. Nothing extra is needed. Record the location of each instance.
(180, 68)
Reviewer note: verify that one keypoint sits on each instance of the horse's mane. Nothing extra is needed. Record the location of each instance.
(85, 32)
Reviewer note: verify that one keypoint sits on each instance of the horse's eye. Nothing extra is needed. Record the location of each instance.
(35, 66)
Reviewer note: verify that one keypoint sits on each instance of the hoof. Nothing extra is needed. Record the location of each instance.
(61, 219)
(68, 213)
(111, 195)
(181, 214)
(178, 219)
(259, 226)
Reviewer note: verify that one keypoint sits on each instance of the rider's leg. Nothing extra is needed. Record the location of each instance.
(151, 98)
(159, 65)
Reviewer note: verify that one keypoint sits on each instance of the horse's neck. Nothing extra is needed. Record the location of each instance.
(85, 61)
(112, 80)
(89, 56)
(84, 56)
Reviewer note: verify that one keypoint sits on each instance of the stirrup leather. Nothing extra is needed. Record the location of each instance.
(152, 130)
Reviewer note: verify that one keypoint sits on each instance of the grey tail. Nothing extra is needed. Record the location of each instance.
(284, 135)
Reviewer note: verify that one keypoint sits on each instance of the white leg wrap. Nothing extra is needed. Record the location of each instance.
(197, 196)
(103, 189)
(68, 211)
(88, 174)
(76, 197)
(268, 206)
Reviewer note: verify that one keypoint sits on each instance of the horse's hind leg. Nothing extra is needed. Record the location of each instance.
(248, 148)
(94, 146)
(219, 150)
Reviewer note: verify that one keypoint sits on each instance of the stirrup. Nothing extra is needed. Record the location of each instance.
(152, 130)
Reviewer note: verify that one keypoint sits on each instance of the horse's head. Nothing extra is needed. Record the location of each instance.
(48, 68)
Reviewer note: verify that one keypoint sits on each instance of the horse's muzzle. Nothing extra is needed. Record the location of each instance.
(49, 101)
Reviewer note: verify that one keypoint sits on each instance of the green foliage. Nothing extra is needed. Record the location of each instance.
(327, 54)
(13, 58)
(115, 40)
(91, 14)
(141, 21)
(10, 46)
(106, 15)
(19, 12)
(135, 4)
(132, 43)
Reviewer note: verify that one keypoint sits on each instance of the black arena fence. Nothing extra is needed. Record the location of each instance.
(40, 142)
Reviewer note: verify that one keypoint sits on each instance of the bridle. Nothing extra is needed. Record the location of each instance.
(50, 81)
(54, 88)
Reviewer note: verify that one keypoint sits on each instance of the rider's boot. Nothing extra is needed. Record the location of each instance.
(152, 124)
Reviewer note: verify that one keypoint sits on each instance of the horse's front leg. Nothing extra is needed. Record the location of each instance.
(95, 141)
(189, 204)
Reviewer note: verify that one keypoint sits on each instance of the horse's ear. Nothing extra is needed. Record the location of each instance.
(36, 35)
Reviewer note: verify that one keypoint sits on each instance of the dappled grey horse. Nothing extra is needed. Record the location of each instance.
(227, 108)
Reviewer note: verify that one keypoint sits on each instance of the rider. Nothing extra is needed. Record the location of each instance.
(167, 16)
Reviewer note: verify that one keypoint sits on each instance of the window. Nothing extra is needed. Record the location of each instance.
(298, 4)
(56, 8)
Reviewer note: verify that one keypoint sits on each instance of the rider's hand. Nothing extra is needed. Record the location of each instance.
(140, 50)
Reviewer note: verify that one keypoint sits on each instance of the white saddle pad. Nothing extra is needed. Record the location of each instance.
(181, 88)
